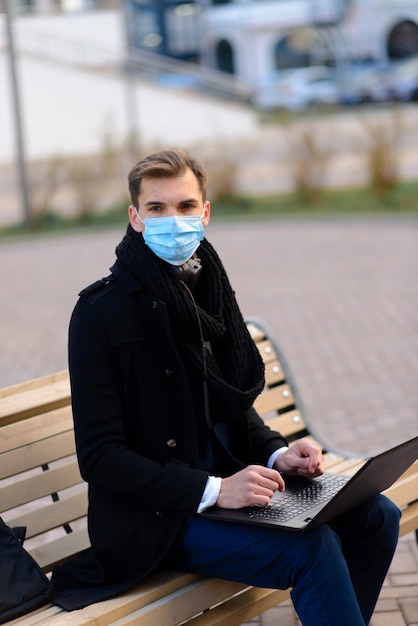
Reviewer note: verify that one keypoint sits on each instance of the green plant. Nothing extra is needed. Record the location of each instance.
(382, 139)
(222, 169)
(47, 176)
(309, 156)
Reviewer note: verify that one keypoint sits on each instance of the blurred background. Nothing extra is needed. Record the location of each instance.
(278, 96)
(305, 114)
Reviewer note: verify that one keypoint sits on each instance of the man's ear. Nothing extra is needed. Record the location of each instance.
(134, 221)
(206, 213)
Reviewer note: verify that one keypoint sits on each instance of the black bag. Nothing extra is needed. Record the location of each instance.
(23, 585)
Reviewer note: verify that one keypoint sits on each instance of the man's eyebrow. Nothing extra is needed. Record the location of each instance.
(189, 200)
(153, 202)
(161, 203)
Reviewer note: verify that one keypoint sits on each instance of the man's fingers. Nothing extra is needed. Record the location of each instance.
(268, 478)
(252, 485)
(312, 469)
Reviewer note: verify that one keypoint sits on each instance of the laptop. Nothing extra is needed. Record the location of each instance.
(306, 502)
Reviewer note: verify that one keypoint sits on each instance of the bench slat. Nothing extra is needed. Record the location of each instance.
(288, 424)
(38, 453)
(182, 604)
(275, 399)
(56, 550)
(148, 594)
(267, 351)
(42, 617)
(35, 428)
(409, 519)
(347, 466)
(34, 401)
(401, 491)
(34, 383)
(255, 331)
(53, 515)
(242, 607)
(332, 459)
(42, 484)
(107, 612)
(273, 373)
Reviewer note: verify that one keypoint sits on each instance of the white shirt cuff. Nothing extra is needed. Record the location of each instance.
(273, 457)
(211, 493)
(213, 484)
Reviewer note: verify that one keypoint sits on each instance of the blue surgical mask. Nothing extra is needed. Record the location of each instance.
(174, 238)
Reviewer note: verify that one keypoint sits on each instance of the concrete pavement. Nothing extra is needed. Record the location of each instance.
(340, 296)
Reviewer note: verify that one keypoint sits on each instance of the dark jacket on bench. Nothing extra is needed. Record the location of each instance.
(137, 443)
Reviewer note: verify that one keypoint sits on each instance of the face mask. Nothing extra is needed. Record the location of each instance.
(174, 238)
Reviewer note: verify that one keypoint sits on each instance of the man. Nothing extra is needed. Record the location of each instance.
(164, 375)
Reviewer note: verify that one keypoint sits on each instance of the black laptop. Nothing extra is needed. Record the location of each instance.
(305, 503)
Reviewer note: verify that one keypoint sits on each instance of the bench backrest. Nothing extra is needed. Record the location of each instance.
(40, 484)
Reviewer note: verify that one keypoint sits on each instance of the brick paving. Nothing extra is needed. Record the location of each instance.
(340, 296)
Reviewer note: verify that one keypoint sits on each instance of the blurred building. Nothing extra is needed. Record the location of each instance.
(46, 7)
(168, 27)
(254, 38)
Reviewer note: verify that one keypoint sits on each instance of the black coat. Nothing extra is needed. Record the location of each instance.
(135, 431)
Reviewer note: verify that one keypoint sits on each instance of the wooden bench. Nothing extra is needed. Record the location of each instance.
(41, 488)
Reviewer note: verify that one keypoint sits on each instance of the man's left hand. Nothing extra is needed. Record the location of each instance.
(304, 458)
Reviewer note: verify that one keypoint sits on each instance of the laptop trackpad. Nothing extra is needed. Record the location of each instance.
(293, 485)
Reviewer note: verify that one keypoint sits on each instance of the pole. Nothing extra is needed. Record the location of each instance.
(21, 162)
(130, 82)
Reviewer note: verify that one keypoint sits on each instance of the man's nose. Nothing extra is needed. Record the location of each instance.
(173, 211)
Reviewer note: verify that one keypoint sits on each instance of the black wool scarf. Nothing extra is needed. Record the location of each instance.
(234, 369)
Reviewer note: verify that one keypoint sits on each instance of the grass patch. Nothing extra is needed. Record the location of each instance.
(400, 200)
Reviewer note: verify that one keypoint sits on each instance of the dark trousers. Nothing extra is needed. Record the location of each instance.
(336, 571)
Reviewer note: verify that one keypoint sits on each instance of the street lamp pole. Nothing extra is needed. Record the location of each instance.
(21, 164)
(130, 82)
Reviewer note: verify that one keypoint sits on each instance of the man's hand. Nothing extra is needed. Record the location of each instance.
(254, 484)
(304, 458)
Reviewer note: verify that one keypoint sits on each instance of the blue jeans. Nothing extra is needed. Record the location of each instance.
(336, 571)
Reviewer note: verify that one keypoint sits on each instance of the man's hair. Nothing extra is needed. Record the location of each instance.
(165, 164)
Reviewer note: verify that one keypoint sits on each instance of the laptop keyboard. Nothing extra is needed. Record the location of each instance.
(316, 493)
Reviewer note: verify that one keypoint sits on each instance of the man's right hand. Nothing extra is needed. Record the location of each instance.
(253, 485)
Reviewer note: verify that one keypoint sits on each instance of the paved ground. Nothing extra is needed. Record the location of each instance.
(341, 297)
